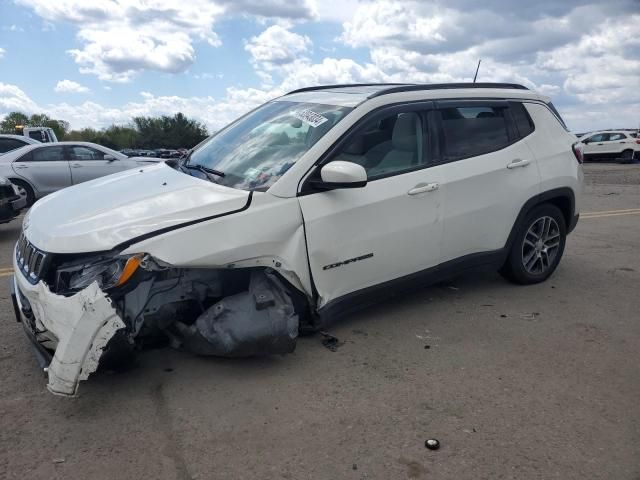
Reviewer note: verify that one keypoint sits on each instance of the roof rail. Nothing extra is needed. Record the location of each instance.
(343, 85)
(447, 86)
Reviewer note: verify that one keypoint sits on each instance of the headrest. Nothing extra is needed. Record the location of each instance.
(355, 146)
(404, 132)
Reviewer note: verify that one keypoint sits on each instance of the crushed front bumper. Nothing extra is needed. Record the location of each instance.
(77, 327)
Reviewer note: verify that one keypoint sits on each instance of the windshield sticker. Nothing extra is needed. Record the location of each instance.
(309, 116)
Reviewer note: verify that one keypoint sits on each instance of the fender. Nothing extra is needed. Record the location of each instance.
(565, 193)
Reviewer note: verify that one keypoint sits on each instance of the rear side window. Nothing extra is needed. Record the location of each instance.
(617, 136)
(521, 117)
(49, 154)
(474, 130)
(8, 144)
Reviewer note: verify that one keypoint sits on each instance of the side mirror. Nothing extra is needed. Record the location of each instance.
(109, 158)
(585, 141)
(341, 174)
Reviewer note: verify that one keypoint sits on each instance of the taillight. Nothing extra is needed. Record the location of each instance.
(577, 151)
(638, 141)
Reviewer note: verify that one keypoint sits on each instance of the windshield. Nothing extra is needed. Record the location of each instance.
(258, 149)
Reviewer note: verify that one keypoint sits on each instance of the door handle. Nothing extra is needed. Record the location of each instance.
(518, 162)
(599, 143)
(21, 166)
(75, 165)
(423, 187)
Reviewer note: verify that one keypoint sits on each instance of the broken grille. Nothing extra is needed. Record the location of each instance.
(31, 261)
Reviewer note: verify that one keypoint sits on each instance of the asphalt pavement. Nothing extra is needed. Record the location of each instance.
(536, 382)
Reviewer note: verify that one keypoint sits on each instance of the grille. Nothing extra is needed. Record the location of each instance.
(31, 261)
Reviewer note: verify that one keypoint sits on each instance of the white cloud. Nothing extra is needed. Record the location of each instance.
(69, 86)
(275, 48)
(214, 113)
(121, 38)
(12, 98)
(2, 52)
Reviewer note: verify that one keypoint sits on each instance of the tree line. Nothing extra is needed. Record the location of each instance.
(164, 131)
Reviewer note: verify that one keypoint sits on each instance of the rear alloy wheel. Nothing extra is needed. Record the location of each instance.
(538, 246)
(626, 156)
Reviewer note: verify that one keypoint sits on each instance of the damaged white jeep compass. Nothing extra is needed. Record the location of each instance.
(318, 201)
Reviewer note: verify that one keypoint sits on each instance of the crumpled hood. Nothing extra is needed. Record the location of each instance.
(103, 213)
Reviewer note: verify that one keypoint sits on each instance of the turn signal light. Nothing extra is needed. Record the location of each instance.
(129, 269)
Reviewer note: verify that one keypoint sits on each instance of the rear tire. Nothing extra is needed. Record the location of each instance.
(537, 247)
(25, 191)
(626, 156)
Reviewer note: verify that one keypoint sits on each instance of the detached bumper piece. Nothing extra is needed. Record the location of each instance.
(260, 321)
(82, 324)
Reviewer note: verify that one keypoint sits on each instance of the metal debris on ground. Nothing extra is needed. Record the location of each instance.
(530, 316)
(432, 444)
(331, 342)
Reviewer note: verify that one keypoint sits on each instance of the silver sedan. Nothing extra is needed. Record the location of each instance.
(38, 170)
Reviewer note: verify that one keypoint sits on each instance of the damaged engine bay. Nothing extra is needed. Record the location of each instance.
(222, 312)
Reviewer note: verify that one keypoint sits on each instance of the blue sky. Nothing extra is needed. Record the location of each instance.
(94, 63)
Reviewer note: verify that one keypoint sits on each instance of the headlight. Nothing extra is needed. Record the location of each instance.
(109, 273)
(4, 182)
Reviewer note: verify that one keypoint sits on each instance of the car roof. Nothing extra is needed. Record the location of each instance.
(351, 95)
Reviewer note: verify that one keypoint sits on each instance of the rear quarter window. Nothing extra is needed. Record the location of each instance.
(523, 121)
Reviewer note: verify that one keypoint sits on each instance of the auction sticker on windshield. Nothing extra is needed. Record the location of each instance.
(309, 116)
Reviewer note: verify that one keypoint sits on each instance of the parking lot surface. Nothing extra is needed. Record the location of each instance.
(533, 382)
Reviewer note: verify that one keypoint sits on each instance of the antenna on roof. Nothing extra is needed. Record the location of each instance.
(477, 68)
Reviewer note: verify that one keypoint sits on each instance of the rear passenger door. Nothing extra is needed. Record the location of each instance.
(45, 167)
(490, 173)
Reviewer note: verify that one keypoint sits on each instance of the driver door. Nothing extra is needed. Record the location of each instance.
(391, 228)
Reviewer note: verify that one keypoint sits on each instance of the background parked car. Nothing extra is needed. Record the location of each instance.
(40, 169)
(10, 201)
(610, 145)
(11, 142)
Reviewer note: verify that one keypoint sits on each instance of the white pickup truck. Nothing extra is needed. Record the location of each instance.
(42, 134)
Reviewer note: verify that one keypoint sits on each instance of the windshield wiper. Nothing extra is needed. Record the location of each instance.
(206, 170)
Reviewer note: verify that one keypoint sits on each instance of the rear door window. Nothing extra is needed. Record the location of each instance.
(50, 154)
(617, 136)
(474, 130)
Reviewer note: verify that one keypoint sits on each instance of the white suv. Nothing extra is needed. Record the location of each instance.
(318, 201)
(610, 144)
